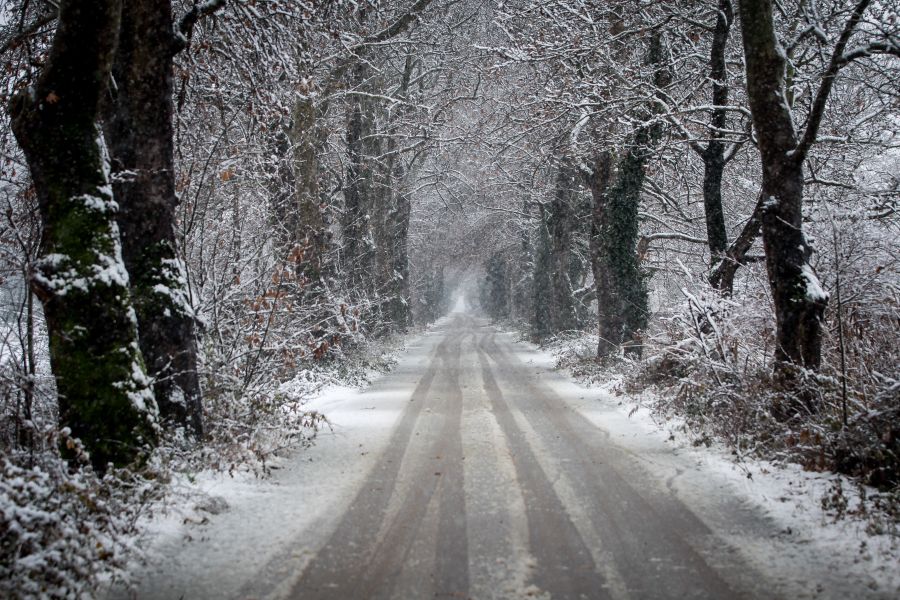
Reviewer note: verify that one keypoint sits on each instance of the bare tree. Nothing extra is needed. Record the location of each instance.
(798, 296)
(105, 396)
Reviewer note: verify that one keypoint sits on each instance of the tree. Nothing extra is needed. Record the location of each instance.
(105, 397)
(561, 225)
(797, 294)
(139, 131)
(714, 155)
(623, 306)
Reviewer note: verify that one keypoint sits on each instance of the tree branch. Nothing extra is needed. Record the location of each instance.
(837, 61)
(190, 18)
(33, 27)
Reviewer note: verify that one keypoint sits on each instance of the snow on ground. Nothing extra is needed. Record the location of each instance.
(787, 495)
(285, 519)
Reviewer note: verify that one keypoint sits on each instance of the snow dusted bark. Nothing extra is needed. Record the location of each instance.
(623, 306)
(621, 287)
(305, 219)
(105, 397)
(798, 298)
(714, 157)
(141, 137)
(560, 225)
(358, 242)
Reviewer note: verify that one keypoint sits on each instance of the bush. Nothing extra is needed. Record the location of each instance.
(61, 531)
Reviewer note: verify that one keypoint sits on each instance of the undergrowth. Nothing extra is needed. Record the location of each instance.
(708, 367)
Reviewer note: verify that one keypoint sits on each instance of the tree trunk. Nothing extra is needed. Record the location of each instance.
(140, 133)
(560, 224)
(307, 225)
(623, 305)
(619, 249)
(798, 298)
(399, 226)
(542, 299)
(722, 275)
(105, 398)
(609, 311)
(358, 243)
(714, 154)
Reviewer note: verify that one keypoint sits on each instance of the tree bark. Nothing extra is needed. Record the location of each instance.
(799, 300)
(305, 219)
(560, 225)
(141, 142)
(105, 397)
(609, 313)
(713, 155)
(623, 305)
(722, 275)
(358, 242)
(542, 294)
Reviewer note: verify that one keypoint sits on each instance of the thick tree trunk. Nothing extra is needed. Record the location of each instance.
(140, 133)
(391, 216)
(105, 397)
(609, 311)
(799, 300)
(625, 304)
(560, 225)
(305, 219)
(358, 241)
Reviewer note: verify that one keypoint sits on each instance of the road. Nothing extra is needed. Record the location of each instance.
(489, 482)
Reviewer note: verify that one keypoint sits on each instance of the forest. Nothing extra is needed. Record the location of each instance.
(213, 209)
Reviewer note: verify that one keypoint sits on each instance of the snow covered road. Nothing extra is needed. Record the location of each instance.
(474, 471)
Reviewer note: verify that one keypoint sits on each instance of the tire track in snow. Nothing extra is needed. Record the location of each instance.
(649, 535)
(365, 555)
(564, 565)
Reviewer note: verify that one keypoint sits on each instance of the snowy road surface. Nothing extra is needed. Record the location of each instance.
(474, 471)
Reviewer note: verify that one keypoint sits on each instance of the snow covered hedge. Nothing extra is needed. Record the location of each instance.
(61, 531)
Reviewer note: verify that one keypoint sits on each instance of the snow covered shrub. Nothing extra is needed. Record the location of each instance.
(576, 351)
(862, 356)
(711, 362)
(61, 531)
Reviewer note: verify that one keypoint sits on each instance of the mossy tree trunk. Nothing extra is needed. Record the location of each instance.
(141, 142)
(105, 397)
(561, 223)
(799, 301)
(623, 306)
(608, 313)
(621, 287)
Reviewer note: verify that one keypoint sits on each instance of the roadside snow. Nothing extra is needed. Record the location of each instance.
(812, 546)
(286, 518)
